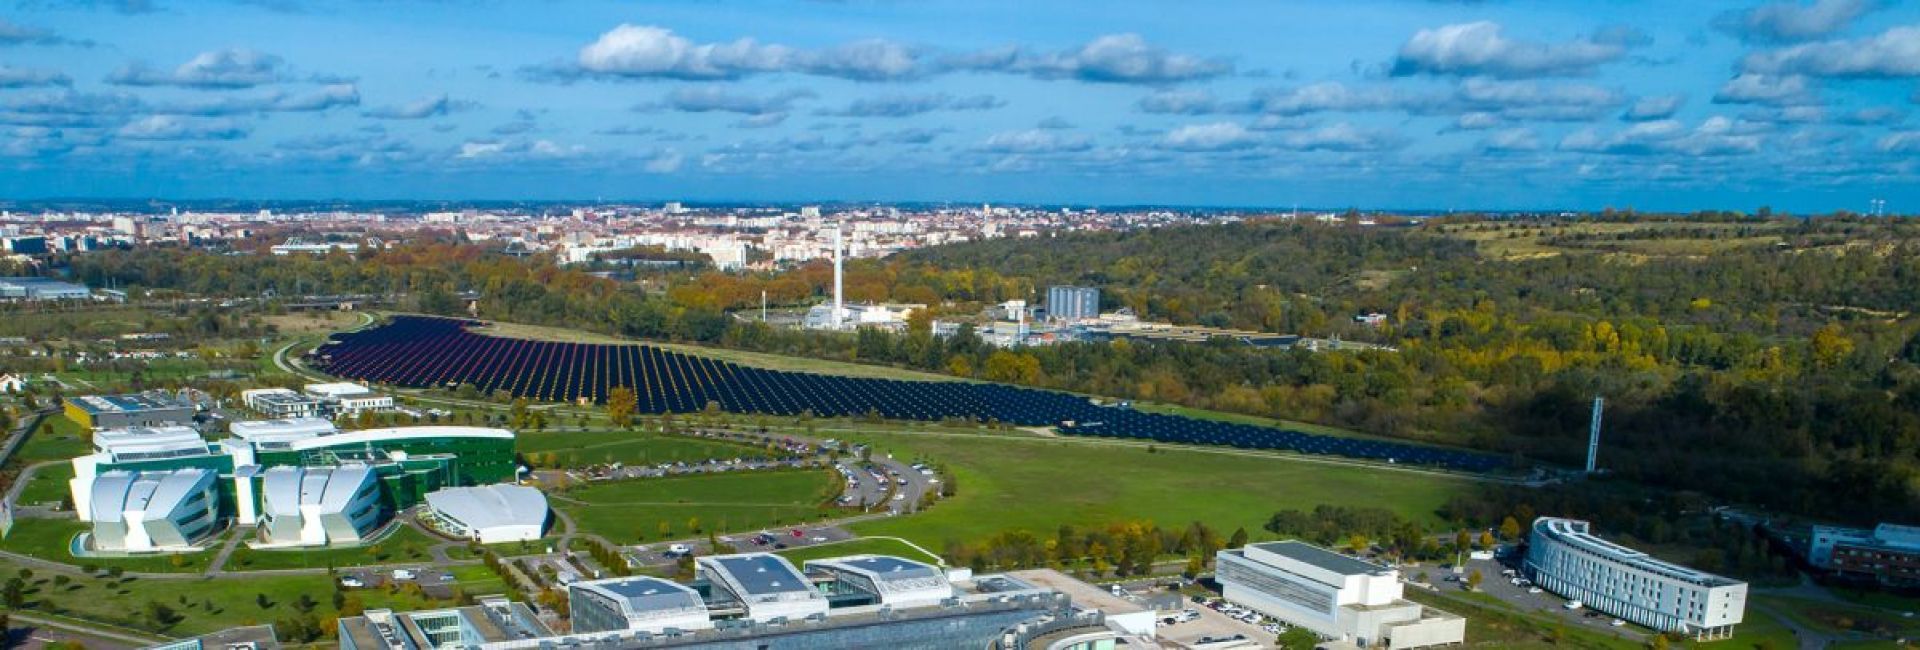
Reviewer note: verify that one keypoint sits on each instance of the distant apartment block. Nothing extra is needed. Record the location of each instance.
(1889, 554)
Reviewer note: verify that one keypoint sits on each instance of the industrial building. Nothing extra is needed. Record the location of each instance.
(136, 512)
(153, 408)
(281, 403)
(391, 469)
(1070, 303)
(1889, 554)
(1566, 558)
(489, 514)
(636, 604)
(315, 506)
(835, 604)
(41, 289)
(1333, 595)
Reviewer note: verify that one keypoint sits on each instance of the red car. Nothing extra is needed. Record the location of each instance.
(797, 533)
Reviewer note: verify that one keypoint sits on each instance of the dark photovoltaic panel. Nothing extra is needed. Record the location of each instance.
(423, 352)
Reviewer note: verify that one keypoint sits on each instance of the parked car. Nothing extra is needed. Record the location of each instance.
(351, 582)
(403, 574)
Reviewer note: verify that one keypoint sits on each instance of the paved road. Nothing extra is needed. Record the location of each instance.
(40, 632)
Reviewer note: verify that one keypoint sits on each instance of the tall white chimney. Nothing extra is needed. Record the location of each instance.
(839, 307)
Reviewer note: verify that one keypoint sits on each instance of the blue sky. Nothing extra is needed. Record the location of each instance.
(1801, 105)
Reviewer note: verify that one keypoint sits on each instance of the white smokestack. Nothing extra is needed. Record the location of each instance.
(839, 307)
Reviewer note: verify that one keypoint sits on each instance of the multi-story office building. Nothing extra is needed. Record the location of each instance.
(1564, 557)
(348, 398)
(886, 579)
(1333, 595)
(152, 511)
(638, 603)
(1069, 303)
(1889, 554)
(282, 403)
(764, 585)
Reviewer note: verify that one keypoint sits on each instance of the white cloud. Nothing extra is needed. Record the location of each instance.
(1766, 90)
(172, 127)
(1893, 53)
(1216, 136)
(1482, 48)
(1114, 58)
(12, 77)
(423, 108)
(220, 69)
(1714, 136)
(1900, 142)
(1511, 140)
(1790, 20)
(664, 162)
(916, 104)
(1343, 136)
(716, 99)
(647, 51)
(1035, 141)
(1654, 108)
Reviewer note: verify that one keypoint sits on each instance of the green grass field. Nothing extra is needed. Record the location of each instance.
(58, 439)
(869, 546)
(49, 485)
(401, 545)
(1011, 482)
(633, 510)
(631, 448)
(206, 605)
(49, 539)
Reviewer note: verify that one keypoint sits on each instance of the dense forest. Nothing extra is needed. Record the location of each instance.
(1763, 361)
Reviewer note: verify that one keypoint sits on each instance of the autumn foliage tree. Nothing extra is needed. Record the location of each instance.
(621, 402)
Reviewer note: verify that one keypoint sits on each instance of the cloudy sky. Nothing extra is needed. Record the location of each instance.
(1661, 104)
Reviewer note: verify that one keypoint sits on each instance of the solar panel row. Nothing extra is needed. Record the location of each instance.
(420, 352)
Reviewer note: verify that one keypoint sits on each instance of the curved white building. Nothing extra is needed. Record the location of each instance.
(152, 511)
(491, 513)
(313, 506)
(1564, 557)
(891, 580)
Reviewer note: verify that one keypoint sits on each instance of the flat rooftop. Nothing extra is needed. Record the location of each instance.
(125, 403)
(1315, 556)
(762, 574)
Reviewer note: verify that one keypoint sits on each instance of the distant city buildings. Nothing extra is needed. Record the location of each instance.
(1333, 595)
(1566, 558)
(37, 289)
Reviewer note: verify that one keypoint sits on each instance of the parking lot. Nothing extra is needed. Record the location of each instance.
(435, 582)
(1528, 598)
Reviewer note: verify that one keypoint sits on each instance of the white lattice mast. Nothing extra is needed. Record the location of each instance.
(1593, 432)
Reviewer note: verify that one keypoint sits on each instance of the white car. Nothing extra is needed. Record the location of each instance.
(1618, 622)
(403, 574)
(899, 497)
(1574, 604)
(351, 582)
(1533, 590)
(679, 549)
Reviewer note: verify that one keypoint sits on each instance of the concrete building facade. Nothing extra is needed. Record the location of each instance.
(1333, 595)
(1566, 558)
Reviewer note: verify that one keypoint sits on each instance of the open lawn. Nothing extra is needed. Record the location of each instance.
(400, 545)
(195, 605)
(869, 546)
(573, 449)
(1014, 482)
(636, 510)
(49, 485)
(49, 539)
(58, 438)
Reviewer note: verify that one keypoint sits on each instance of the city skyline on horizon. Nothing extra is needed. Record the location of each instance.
(1802, 106)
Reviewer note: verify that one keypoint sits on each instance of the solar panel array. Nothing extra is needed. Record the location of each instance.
(426, 352)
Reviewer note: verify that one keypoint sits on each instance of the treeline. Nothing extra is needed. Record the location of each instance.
(1119, 549)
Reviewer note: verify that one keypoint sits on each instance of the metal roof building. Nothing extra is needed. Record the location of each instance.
(636, 603)
(313, 506)
(149, 409)
(765, 585)
(891, 580)
(280, 433)
(490, 513)
(152, 511)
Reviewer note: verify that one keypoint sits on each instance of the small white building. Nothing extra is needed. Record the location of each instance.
(281, 403)
(490, 514)
(348, 398)
(1333, 595)
(11, 384)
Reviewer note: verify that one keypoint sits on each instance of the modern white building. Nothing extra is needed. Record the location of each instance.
(637, 603)
(1333, 595)
(1564, 557)
(278, 434)
(158, 445)
(281, 403)
(490, 514)
(348, 398)
(135, 512)
(890, 580)
(317, 506)
(764, 585)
